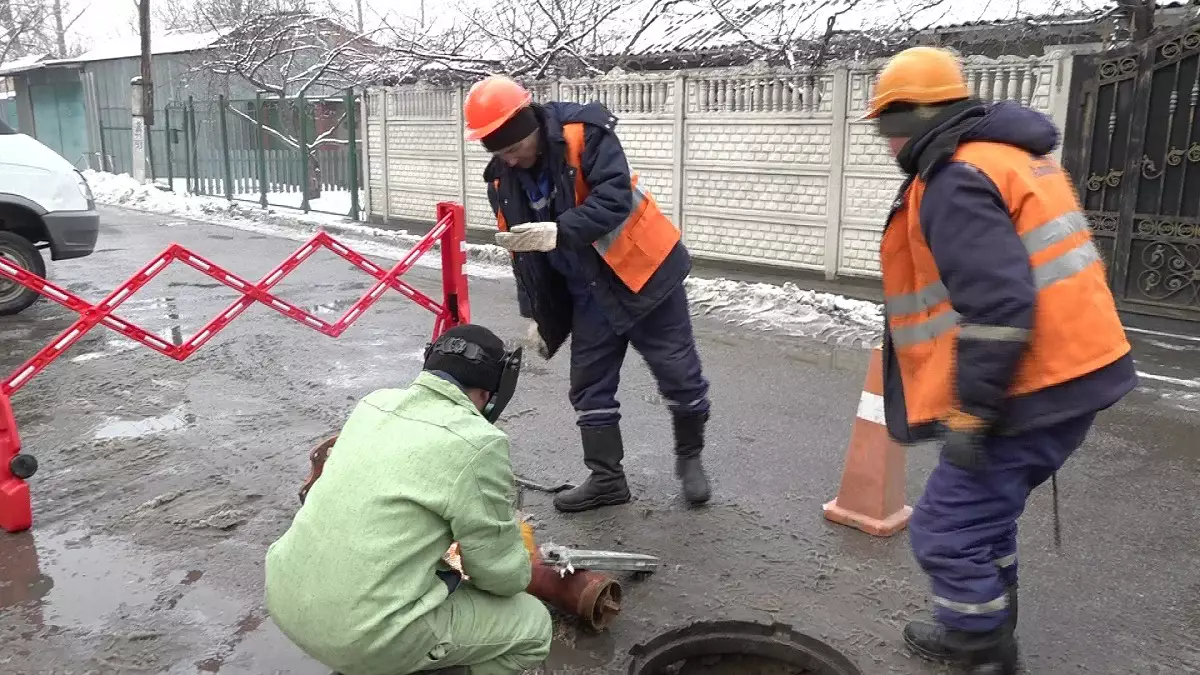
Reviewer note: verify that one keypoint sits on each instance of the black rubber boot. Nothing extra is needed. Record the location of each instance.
(606, 486)
(1011, 592)
(689, 444)
(992, 653)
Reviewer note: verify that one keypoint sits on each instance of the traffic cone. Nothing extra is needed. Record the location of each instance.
(871, 497)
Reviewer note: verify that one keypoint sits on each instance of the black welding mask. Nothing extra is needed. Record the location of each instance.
(477, 369)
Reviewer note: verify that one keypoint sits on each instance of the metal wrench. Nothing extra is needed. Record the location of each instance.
(565, 558)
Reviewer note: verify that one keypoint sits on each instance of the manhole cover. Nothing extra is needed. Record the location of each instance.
(738, 648)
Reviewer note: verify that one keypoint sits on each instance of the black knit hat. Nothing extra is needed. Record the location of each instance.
(515, 130)
(470, 374)
(907, 120)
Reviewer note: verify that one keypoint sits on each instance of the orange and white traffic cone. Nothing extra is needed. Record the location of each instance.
(871, 497)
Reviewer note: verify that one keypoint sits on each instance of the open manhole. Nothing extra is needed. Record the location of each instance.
(738, 648)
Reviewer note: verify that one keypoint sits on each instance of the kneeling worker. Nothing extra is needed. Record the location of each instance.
(358, 581)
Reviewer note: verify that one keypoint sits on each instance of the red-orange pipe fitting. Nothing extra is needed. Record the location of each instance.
(591, 596)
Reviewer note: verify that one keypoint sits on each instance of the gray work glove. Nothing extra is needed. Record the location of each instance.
(964, 439)
(965, 449)
(527, 237)
(533, 340)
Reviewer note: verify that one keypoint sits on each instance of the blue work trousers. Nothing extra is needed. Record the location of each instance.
(963, 530)
(663, 338)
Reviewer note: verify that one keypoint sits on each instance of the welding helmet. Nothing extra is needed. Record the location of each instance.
(476, 359)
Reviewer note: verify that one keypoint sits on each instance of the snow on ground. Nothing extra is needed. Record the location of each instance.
(123, 191)
(330, 201)
(788, 308)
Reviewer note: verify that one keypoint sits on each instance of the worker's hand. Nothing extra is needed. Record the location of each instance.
(530, 542)
(529, 237)
(964, 441)
(533, 339)
(965, 449)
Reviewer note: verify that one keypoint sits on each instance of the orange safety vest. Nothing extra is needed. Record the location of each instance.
(639, 245)
(1076, 328)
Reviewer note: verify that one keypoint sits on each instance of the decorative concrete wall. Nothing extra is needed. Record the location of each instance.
(754, 165)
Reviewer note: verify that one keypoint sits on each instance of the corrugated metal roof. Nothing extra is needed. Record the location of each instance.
(23, 64)
(173, 42)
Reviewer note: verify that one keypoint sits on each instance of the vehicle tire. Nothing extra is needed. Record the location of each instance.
(14, 297)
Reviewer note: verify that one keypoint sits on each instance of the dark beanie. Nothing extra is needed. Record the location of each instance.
(908, 120)
(469, 374)
(515, 130)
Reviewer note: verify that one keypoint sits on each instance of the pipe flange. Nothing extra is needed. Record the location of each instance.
(601, 603)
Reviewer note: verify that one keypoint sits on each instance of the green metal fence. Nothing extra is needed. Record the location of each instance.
(288, 153)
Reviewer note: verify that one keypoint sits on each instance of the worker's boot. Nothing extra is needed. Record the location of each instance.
(605, 486)
(991, 653)
(689, 444)
(1011, 592)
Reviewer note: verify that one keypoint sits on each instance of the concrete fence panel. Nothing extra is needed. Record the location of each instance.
(757, 165)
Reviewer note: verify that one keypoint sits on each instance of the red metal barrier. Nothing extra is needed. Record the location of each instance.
(15, 467)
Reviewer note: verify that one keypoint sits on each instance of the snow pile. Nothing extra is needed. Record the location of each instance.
(124, 191)
(789, 309)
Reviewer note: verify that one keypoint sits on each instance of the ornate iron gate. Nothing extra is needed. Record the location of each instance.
(1133, 146)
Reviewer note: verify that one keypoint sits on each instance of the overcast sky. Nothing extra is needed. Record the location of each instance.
(104, 20)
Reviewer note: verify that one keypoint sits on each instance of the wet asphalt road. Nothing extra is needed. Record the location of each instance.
(162, 484)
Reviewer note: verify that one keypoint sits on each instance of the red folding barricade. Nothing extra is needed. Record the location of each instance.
(450, 231)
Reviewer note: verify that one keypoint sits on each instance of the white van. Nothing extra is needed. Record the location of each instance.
(44, 203)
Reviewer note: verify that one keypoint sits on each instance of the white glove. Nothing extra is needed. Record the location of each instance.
(533, 339)
(529, 237)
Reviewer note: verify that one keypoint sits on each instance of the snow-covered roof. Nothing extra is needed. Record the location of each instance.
(694, 25)
(174, 42)
(22, 64)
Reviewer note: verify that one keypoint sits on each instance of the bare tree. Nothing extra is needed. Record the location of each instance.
(287, 54)
(20, 28)
(29, 27)
(64, 15)
(204, 15)
(291, 56)
(1139, 15)
(534, 39)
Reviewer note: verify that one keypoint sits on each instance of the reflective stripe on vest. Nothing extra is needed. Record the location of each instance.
(636, 248)
(1042, 237)
(1076, 328)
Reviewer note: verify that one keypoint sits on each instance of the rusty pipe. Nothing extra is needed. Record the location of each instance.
(591, 596)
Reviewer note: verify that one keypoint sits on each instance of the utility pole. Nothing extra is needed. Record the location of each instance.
(358, 4)
(142, 103)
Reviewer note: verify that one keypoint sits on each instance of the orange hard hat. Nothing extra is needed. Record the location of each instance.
(492, 102)
(921, 76)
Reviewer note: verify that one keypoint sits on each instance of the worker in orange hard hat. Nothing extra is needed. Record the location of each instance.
(594, 259)
(1001, 337)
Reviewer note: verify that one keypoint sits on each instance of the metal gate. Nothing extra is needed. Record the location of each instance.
(1133, 146)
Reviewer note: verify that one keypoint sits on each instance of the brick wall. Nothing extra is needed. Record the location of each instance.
(754, 165)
